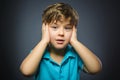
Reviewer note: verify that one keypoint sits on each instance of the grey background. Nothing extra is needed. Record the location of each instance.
(20, 31)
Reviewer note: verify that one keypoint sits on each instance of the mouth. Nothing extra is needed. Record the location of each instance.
(60, 41)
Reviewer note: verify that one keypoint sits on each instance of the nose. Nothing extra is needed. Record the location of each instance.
(61, 32)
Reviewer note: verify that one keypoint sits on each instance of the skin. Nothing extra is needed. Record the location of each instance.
(58, 35)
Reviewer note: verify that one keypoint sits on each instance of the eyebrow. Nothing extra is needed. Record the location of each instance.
(58, 24)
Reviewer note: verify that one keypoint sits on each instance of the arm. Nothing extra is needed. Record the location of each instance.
(92, 64)
(31, 62)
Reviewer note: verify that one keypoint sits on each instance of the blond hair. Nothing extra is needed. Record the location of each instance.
(56, 11)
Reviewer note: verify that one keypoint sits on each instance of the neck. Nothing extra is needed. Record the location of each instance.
(57, 55)
(57, 52)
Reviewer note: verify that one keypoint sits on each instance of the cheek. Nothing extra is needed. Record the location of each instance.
(68, 36)
(51, 34)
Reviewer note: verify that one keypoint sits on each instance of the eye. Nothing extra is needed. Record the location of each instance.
(68, 28)
(54, 27)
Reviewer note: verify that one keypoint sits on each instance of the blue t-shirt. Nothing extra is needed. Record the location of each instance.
(69, 69)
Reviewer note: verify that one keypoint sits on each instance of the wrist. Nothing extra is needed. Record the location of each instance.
(74, 42)
(44, 42)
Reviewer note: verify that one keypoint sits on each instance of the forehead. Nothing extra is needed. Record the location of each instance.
(62, 21)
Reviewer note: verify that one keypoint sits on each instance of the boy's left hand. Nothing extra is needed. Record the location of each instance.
(74, 35)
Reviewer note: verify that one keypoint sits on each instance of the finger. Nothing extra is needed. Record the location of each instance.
(74, 29)
(46, 27)
(43, 27)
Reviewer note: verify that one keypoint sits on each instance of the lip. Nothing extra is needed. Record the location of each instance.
(60, 41)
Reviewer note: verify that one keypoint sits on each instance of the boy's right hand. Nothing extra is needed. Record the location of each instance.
(45, 33)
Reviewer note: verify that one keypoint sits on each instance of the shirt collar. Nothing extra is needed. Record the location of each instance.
(46, 54)
(69, 53)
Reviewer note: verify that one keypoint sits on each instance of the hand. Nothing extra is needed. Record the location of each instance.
(45, 33)
(74, 35)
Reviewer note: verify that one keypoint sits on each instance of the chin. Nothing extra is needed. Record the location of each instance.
(60, 47)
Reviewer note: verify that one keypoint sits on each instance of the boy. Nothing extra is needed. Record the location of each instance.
(59, 54)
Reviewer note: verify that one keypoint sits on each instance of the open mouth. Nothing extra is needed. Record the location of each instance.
(60, 41)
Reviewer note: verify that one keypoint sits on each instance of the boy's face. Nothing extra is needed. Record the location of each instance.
(60, 33)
